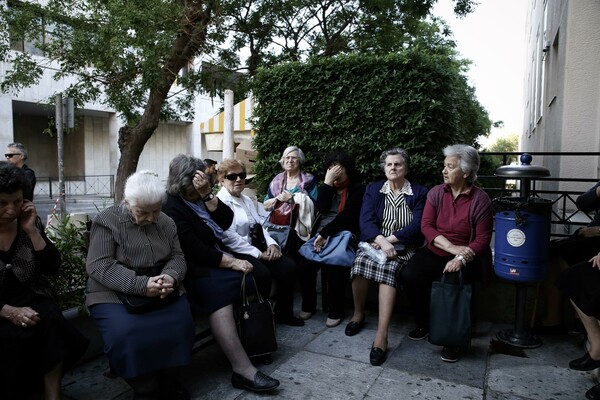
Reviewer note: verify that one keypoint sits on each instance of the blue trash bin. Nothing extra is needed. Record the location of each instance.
(522, 238)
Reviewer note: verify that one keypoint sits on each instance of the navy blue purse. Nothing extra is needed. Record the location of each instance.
(337, 250)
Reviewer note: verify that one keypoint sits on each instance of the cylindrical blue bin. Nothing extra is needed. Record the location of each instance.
(522, 238)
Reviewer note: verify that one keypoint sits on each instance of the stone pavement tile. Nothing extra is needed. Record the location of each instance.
(309, 375)
(542, 374)
(87, 382)
(421, 357)
(300, 336)
(529, 380)
(393, 384)
(334, 342)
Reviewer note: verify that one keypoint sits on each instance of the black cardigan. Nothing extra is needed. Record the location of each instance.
(347, 220)
(196, 238)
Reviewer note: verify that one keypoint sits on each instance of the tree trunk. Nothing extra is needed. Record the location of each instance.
(194, 25)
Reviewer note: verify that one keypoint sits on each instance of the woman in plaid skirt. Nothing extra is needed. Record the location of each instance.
(390, 221)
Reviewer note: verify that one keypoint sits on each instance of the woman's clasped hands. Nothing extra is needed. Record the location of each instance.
(24, 317)
(161, 285)
(272, 253)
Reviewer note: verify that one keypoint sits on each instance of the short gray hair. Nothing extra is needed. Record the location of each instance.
(20, 147)
(144, 188)
(182, 169)
(290, 149)
(394, 151)
(469, 159)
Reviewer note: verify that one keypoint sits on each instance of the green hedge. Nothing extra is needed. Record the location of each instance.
(364, 105)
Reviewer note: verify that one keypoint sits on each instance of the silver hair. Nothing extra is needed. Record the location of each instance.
(144, 188)
(182, 169)
(393, 152)
(290, 149)
(20, 147)
(469, 159)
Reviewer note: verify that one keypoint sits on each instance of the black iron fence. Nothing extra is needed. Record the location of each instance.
(566, 218)
(565, 215)
(76, 186)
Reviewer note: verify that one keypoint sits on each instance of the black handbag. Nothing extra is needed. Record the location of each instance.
(450, 313)
(257, 237)
(135, 304)
(256, 324)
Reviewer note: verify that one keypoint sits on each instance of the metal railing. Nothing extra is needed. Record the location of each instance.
(565, 215)
(76, 186)
(566, 218)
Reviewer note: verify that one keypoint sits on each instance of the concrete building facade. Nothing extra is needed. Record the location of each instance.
(91, 149)
(562, 88)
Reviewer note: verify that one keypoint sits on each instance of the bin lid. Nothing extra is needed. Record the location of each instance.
(525, 170)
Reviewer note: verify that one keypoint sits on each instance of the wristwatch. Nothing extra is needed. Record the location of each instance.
(208, 197)
(461, 258)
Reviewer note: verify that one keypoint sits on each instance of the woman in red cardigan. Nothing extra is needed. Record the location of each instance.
(457, 224)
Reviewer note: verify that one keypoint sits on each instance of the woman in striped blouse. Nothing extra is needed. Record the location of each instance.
(134, 250)
(390, 218)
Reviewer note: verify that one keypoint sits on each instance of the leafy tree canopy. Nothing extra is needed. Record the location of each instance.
(129, 54)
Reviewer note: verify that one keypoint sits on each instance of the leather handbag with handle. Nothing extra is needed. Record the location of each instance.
(450, 313)
(256, 323)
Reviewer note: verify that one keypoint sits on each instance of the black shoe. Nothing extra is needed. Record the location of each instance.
(450, 354)
(354, 327)
(291, 320)
(419, 333)
(377, 356)
(593, 393)
(261, 383)
(585, 363)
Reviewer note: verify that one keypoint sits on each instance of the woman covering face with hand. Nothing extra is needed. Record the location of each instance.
(338, 206)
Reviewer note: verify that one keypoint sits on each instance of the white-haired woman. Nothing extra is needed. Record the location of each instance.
(134, 250)
(457, 224)
(294, 186)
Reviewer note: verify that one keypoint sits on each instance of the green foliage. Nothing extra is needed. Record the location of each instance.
(415, 99)
(70, 238)
(490, 163)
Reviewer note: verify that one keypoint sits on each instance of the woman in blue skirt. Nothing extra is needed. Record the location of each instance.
(134, 255)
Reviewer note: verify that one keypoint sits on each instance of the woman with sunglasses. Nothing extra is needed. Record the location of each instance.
(232, 176)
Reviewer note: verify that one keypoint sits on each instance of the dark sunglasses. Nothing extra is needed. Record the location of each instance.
(10, 155)
(233, 177)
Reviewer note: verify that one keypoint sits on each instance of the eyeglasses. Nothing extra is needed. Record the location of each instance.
(233, 177)
(11, 155)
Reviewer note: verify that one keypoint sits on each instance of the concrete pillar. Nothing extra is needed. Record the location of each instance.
(114, 123)
(6, 121)
(228, 146)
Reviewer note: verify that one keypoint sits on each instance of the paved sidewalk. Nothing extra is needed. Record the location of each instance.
(315, 362)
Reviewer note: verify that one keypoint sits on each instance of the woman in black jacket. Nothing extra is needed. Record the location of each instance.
(213, 275)
(338, 208)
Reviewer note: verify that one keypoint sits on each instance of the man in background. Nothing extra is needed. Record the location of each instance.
(16, 154)
(211, 170)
